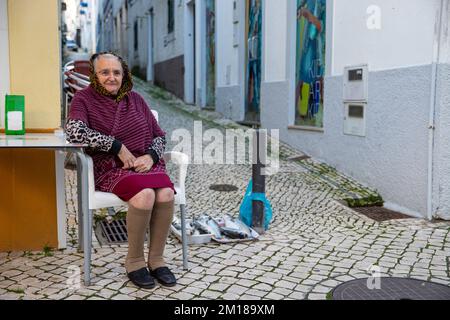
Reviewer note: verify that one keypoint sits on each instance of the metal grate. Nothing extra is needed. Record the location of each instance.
(223, 187)
(380, 213)
(391, 289)
(113, 232)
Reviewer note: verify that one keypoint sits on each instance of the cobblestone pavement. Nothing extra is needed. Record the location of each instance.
(314, 242)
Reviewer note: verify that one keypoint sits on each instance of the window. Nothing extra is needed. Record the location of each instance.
(171, 16)
(136, 36)
(310, 65)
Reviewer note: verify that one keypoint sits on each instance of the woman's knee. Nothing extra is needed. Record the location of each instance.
(164, 195)
(144, 200)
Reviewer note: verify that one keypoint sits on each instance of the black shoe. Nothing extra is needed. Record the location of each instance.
(164, 276)
(142, 278)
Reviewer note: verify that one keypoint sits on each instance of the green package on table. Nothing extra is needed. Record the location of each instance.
(14, 115)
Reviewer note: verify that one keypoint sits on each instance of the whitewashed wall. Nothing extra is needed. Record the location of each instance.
(230, 60)
(393, 156)
(275, 50)
(168, 47)
(138, 12)
(404, 38)
(227, 55)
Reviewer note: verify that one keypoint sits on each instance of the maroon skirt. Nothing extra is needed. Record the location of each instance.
(131, 185)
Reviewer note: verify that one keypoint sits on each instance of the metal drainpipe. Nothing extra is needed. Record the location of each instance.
(431, 125)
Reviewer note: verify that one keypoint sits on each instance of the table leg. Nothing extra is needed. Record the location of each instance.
(86, 214)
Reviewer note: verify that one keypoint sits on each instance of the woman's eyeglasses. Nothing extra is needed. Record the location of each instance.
(107, 73)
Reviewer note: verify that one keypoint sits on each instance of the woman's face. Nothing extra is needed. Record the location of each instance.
(109, 73)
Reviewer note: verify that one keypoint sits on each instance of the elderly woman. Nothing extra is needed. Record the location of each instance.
(127, 145)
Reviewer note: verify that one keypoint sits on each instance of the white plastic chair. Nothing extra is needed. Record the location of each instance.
(98, 200)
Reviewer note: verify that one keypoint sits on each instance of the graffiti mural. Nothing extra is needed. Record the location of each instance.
(210, 52)
(310, 65)
(254, 57)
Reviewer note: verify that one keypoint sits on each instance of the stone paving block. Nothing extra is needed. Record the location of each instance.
(269, 281)
(193, 290)
(106, 293)
(256, 292)
(182, 296)
(11, 273)
(249, 297)
(297, 296)
(201, 285)
(321, 289)
(193, 276)
(10, 296)
(209, 294)
(274, 296)
(330, 283)
(230, 296)
(285, 284)
(283, 291)
(317, 296)
(141, 294)
(19, 278)
(236, 289)
(121, 297)
(210, 279)
(75, 297)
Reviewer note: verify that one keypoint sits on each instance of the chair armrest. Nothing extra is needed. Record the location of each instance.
(91, 182)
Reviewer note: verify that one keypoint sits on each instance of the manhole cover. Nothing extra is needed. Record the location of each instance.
(114, 232)
(380, 213)
(223, 187)
(391, 289)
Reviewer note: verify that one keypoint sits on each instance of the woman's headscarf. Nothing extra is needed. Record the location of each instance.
(127, 81)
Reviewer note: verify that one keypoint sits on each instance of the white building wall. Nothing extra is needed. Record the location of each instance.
(4, 59)
(138, 12)
(168, 46)
(275, 50)
(200, 47)
(231, 59)
(393, 156)
(403, 40)
(227, 54)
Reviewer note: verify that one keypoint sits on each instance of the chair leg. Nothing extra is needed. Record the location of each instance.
(87, 244)
(184, 236)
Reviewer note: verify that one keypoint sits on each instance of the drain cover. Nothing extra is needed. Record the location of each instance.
(380, 213)
(391, 289)
(223, 187)
(112, 232)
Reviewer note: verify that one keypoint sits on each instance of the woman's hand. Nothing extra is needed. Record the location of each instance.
(143, 164)
(126, 157)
